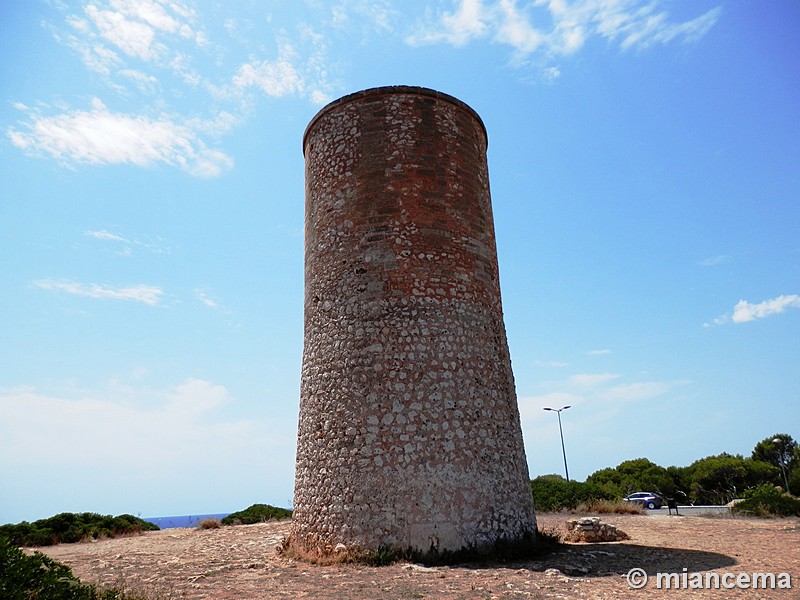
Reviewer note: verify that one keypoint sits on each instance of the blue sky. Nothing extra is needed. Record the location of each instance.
(645, 169)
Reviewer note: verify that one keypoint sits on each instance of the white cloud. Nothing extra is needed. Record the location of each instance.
(629, 392)
(134, 38)
(157, 246)
(514, 29)
(146, 294)
(275, 78)
(377, 14)
(98, 137)
(116, 428)
(466, 23)
(550, 364)
(106, 235)
(457, 28)
(558, 27)
(109, 34)
(146, 83)
(598, 352)
(149, 47)
(531, 408)
(656, 30)
(552, 73)
(592, 394)
(294, 72)
(206, 300)
(591, 379)
(744, 311)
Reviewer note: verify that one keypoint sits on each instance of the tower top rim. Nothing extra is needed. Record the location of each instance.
(393, 90)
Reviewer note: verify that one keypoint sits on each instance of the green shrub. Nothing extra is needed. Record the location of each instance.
(38, 577)
(73, 527)
(767, 501)
(257, 513)
(553, 493)
(765, 490)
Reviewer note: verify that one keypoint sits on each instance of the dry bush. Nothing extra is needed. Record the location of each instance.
(210, 523)
(542, 544)
(291, 549)
(605, 507)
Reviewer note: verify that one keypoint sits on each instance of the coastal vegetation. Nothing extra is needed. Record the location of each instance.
(768, 480)
(38, 577)
(256, 513)
(73, 527)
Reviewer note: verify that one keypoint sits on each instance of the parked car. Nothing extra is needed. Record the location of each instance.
(647, 499)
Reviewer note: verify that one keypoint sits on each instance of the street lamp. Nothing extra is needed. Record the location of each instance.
(780, 460)
(560, 431)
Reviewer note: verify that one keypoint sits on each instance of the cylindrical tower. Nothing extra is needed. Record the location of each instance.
(409, 433)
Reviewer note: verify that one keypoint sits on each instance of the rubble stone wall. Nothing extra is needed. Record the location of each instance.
(409, 433)
(592, 529)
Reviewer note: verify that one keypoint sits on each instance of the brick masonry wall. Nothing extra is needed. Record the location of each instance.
(409, 432)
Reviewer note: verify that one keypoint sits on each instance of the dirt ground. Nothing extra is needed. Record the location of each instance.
(242, 563)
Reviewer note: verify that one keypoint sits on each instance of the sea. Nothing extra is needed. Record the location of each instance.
(182, 520)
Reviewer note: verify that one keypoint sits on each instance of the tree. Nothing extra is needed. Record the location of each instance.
(779, 450)
(719, 479)
(638, 475)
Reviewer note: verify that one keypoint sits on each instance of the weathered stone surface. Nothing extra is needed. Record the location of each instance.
(409, 431)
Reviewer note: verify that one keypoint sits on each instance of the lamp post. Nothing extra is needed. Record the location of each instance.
(780, 460)
(561, 432)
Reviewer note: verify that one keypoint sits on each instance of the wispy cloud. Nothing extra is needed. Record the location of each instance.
(744, 311)
(207, 300)
(127, 242)
(595, 392)
(468, 22)
(275, 78)
(376, 14)
(157, 53)
(550, 364)
(145, 294)
(601, 352)
(106, 235)
(140, 29)
(638, 391)
(713, 261)
(99, 136)
(300, 69)
(632, 24)
(591, 379)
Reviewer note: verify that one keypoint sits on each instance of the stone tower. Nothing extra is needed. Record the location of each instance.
(409, 433)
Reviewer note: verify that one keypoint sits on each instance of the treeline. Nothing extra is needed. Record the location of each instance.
(73, 527)
(775, 461)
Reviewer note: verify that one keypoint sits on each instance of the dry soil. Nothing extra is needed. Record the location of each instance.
(242, 563)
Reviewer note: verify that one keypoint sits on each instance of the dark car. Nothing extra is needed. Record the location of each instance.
(647, 499)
